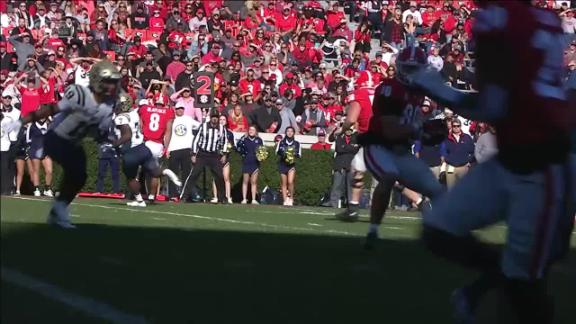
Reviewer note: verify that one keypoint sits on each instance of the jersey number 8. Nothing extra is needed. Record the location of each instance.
(154, 122)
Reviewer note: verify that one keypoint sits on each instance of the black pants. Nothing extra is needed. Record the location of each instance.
(103, 164)
(180, 162)
(212, 161)
(6, 174)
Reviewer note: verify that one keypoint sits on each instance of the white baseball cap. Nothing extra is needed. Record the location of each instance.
(143, 102)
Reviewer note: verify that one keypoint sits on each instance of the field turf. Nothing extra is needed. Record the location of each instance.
(199, 263)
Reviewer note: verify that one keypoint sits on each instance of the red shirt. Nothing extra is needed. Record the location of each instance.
(321, 146)
(156, 24)
(285, 23)
(364, 96)
(210, 57)
(254, 86)
(54, 43)
(30, 100)
(239, 126)
(155, 122)
(295, 89)
(48, 96)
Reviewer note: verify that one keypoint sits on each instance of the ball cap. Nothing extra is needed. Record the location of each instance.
(142, 102)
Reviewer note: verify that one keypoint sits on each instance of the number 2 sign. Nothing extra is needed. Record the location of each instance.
(203, 83)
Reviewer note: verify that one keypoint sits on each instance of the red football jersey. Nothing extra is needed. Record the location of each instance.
(154, 121)
(364, 96)
(519, 50)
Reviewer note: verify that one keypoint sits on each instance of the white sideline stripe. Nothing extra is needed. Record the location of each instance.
(223, 220)
(86, 305)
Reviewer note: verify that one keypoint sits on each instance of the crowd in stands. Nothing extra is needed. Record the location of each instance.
(278, 64)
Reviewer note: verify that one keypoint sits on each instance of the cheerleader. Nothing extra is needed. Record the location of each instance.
(226, 169)
(251, 148)
(35, 139)
(288, 150)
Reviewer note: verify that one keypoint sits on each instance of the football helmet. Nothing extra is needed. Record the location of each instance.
(125, 102)
(104, 79)
(410, 60)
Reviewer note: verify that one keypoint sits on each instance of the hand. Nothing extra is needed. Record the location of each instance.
(193, 159)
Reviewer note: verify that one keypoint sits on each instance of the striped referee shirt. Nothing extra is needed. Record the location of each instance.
(210, 139)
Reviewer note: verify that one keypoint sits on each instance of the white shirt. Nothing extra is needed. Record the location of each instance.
(416, 15)
(569, 25)
(486, 147)
(4, 137)
(436, 62)
(14, 114)
(465, 125)
(195, 23)
(80, 113)
(182, 136)
(131, 119)
(387, 57)
(81, 77)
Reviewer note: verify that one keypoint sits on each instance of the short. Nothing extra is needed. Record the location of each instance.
(250, 168)
(22, 152)
(70, 155)
(138, 156)
(284, 168)
(358, 164)
(534, 207)
(157, 149)
(403, 167)
(36, 151)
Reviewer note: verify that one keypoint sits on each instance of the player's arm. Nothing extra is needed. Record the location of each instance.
(168, 133)
(351, 116)
(125, 135)
(41, 113)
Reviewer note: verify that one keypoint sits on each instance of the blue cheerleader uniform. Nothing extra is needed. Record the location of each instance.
(247, 147)
(281, 150)
(35, 139)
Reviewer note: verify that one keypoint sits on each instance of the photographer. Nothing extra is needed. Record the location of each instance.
(346, 148)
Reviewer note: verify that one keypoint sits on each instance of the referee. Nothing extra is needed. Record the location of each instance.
(207, 149)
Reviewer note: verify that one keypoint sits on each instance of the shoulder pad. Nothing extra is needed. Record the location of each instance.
(77, 95)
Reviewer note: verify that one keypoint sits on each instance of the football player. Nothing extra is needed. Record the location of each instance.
(134, 152)
(156, 122)
(527, 184)
(83, 110)
(387, 144)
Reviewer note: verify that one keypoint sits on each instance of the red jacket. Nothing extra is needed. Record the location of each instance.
(321, 146)
(253, 87)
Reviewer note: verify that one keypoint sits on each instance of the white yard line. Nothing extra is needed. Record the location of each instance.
(89, 306)
(217, 219)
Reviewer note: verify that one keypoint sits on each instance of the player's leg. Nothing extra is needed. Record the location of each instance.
(477, 201)
(132, 159)
(72, 158)
(48, 174)
(380, 202)
(175, 164)
(358, 166)
(291, 179)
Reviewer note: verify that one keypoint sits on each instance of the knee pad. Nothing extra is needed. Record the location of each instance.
(358, 180)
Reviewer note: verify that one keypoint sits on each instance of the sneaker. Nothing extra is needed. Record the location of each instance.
(37, 193)
(462, 310)
(230, 201)
(172, 176)
(135, 203)
(371, 239)
(244, 202)
(255, 202)
(348, 216)
(60, 217)
(214, 200)
(17, 193)
(48, 193)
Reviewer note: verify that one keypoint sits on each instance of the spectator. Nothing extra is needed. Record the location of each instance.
(147, 74)
(175, 67)
(6, 178)
(183, 97)
(237, 121)
(459, 153)
(288, 150)
(22, 46)
(108, 158)
(8, 61)
(287, 118)
(486, 146)
(266, 117)
(9, 141)
(346, 147)
(321, 144)
(249, 84)
(184, 79)
(435, 60)
(433, 155)
(313, 119)
(198, 20)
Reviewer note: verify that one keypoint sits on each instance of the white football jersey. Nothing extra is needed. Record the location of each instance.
(131, 119)
(81, 76)
(80, 113)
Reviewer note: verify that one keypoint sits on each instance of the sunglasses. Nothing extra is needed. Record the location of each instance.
(457, 126)
(7, 97)
(189, 65)
(272, 64)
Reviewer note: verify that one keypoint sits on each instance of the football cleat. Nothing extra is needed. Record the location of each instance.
(59, 217)
(348, 216)
(136, 203)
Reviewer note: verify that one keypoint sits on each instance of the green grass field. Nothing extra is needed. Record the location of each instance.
(196, 263)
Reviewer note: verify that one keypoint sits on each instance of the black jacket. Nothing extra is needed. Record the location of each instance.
(263, 119)
(345, 151)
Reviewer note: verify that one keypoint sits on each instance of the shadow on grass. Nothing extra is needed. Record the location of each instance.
(199, 276)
